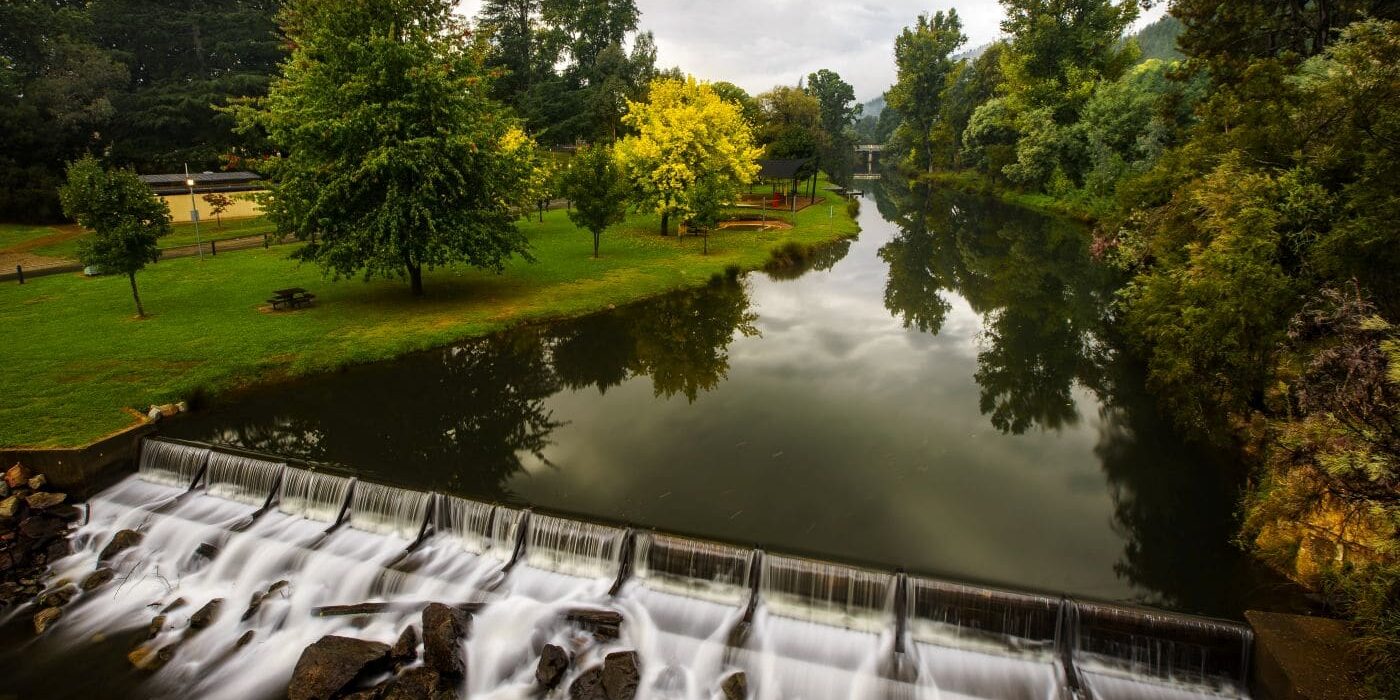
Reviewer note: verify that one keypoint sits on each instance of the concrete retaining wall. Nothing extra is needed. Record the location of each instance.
(81, 471)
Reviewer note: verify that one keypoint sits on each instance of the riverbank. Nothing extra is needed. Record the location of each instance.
(77, 360)
(970, 182)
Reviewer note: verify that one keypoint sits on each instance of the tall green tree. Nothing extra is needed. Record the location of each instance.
(839, 111)
(596, 190)
(923, 60)
(518, 47)
(789, 124)
(126, 219)
(396, 159)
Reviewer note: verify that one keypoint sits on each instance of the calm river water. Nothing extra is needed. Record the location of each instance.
(942, 394)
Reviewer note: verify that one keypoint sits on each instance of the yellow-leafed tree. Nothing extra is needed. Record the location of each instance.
(686, 134)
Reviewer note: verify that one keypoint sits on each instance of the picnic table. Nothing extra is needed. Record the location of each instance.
(294, 297)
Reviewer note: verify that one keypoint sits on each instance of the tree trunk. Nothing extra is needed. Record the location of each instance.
(666, 223)
(135, 295)
(596, 236)
(415, 278)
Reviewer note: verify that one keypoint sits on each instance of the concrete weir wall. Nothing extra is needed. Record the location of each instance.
(82, 471)
(1299, 657)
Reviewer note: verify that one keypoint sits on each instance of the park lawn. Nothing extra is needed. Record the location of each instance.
(181, 234)
(75, 357)
(15, 235)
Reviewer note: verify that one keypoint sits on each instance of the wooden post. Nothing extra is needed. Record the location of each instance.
(19, 270)
(213, 247)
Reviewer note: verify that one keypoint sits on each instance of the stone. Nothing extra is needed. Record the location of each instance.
(278, 586)
(58, 597)
(1300, 656)
(46, 617)
(418, 683)
(245, 639)
(621, 675)
(148, 658)
(37, 482)
(17, 476)
(9, 508)
(4, 489)
(68, 513)
(554, 662)
(206, 615)
(588, 685)
(175, 605)
(405, 650)
(444, 628)
(40, 527)
(122, 541)
(156, 627)
(97, 578)
(735, 686)
(332, 663)
(58, 549)
(43, 500)
(606, 625)
(254, 604)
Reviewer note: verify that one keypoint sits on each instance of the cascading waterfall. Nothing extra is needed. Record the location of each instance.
(312, 495)
(171, 463)
(819, 630)
(242, 479)
(388, 510)
(573, 547)
(468, 522)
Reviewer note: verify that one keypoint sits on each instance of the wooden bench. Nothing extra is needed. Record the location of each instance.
(293, 298)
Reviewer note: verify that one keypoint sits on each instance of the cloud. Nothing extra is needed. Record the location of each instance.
(757, 45)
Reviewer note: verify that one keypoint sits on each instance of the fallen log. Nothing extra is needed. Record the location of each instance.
(385, 607)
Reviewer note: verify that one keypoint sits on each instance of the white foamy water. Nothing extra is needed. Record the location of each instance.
(815, 630)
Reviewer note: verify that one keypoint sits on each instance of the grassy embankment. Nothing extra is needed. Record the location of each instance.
(63, 240)
(977, 183)
(75, 356)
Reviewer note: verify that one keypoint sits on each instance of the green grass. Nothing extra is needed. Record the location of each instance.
(75, 355)
(13, 235)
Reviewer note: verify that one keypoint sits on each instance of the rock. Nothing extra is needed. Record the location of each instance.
(148, 658)
(735, 686)
(332, 663)
(39, 527)
(554, 661)
(46, 617)
(58, 597)
(246, 639)
(156, 627)
(17, 476)
(588, 685)
(278, 586)
(418, 683)
(67, 513)
(444, 628)
(97, 578)
(37, 482)
(58, 549)
(405, 650)
(606, 625)
(206, 615)
(621, 675)
(43, 500)
(253, 605)
(9, 508)
(4, 489)
(122, 541)
(174, 605)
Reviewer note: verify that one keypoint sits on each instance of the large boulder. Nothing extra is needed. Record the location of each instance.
(44, 500)
(444, 629)
(735, 686)
(122, 541)
(332, 663)
(46, 617)
(418, 683)
(16, 476)
(588, 685)
(554, 661)
(405, 650)
(621, 675)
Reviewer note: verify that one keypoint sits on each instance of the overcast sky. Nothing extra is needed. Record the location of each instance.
(761, 43)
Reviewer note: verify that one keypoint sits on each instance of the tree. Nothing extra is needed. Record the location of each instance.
(395, 157)
(597, 191)
(923, 60)
(517, 47)
(748, 106)
(789, 124)
(839, 111)
(685, 133)
(218, 204)
(126, 218)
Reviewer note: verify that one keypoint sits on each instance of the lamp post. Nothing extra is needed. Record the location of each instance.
(194, 213)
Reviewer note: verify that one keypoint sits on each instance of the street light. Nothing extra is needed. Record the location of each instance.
(194, 212)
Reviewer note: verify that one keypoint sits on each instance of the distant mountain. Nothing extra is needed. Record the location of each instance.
(874, 107)
(1158, 40)
(974, 53)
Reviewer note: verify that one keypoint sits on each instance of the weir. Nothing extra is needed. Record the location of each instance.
(814, 629)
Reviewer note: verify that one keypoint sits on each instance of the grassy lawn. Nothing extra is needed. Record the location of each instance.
(181, 235)
(75, 355)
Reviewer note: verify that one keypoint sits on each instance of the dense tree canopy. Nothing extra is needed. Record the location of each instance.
(395, 157)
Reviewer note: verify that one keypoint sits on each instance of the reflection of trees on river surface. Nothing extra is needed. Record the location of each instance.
(468, 416)
(1029, 276)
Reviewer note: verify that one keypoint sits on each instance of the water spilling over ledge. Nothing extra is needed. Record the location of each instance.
(219, 525)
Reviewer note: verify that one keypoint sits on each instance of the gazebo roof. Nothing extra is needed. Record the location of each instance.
(786, 169)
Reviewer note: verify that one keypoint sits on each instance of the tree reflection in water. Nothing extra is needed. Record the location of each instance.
(465, 419)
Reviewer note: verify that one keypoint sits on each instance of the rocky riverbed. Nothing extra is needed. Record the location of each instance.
(34, 525)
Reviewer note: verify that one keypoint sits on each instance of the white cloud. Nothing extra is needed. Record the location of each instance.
(759, 44)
